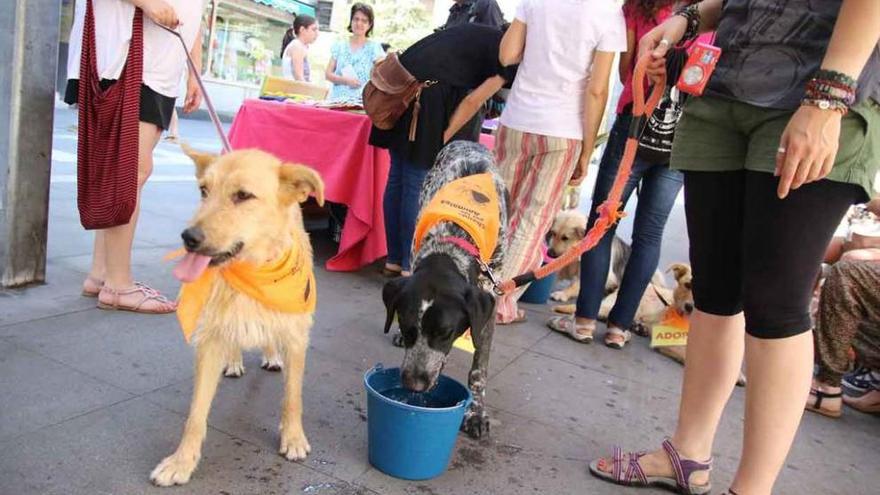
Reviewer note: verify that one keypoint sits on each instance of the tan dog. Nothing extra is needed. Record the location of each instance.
(657, 299)
(249, 216)
(569, 229)
(683, 302)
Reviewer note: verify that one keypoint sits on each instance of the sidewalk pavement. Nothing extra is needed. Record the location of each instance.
(91, 401)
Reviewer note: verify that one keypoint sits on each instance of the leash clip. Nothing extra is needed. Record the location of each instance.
(496, 283)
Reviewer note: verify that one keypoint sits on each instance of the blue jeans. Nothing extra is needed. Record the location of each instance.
(401, 208)
(659, 188)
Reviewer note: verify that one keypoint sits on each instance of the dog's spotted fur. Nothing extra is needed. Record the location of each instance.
(448, 289)
(462, 159)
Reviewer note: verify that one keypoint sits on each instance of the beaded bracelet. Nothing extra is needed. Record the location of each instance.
(691, 13)
(830, 90)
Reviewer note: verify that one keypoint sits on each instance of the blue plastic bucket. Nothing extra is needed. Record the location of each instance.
(539, 291)
(412, 442)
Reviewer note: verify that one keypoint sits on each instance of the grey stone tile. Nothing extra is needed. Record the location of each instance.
(59, 295)
(334, 410)
(36, 392)
(521, 456)
(137, 353)
(637, 362)
(114, 450)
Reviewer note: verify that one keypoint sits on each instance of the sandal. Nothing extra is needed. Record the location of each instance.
(616, 338)
(520, 318)
(148, 293)
(90, 292)
(814, 403)
(632, 474)
(566, 325)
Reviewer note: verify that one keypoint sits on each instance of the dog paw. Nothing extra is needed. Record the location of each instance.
(175, 469)
(559, 295)
(475, 424)
(294, 447)
(397, 341)
(271, 364)
(234, 370)
(565, 309)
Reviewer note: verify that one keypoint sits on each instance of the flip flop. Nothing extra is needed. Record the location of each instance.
(566, 325)
(630, 473)
(815, 405)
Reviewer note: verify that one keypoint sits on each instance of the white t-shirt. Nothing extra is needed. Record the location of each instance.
(547, 97)
(164, 58)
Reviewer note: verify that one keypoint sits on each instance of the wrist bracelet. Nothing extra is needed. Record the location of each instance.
(830, 90)
(834, 105)
(691, 14)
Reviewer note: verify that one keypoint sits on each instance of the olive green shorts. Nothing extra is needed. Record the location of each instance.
(718, 135)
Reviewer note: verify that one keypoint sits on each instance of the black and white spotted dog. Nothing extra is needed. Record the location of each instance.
(448, 292)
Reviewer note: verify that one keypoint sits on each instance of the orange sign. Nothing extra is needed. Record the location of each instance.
(672, 331)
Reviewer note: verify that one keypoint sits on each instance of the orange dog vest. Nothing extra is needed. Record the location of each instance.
(471, 203)
(287, 285)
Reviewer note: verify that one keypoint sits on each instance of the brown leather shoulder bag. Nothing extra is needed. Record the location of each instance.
(389, 93)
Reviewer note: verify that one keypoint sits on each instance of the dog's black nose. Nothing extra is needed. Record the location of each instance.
(193, 237)
(689, 308)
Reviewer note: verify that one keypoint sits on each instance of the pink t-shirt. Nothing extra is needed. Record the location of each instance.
(640, 26)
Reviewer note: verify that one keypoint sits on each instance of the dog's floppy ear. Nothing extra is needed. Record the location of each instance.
(200, 158)
(390, 296)
(679, 270)
(581, 232)
(298, 181)
(480, 306)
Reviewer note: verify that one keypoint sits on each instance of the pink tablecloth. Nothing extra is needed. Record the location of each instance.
(335, 144)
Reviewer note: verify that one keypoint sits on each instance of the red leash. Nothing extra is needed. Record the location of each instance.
(609, 210)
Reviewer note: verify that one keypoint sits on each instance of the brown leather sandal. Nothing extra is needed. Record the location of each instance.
(148, 293)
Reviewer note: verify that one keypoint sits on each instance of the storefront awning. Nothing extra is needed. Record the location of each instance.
(290, 6)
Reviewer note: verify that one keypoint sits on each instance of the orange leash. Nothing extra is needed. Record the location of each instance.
(609, 210)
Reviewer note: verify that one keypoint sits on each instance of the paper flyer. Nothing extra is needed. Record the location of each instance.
(672, 331)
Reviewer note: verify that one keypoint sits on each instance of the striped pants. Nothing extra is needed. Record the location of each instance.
(536, 170)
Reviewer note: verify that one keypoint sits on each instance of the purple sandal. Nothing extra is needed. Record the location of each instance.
(631, 474)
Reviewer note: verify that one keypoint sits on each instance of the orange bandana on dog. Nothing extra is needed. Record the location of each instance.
(472, 204)
(287, 285)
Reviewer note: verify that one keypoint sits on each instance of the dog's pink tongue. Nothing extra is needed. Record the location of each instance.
(191, 267)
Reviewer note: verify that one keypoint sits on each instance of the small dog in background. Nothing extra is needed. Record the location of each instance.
(568, 230)
(683, 302)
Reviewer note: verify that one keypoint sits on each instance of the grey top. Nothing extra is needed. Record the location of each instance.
(771, 48)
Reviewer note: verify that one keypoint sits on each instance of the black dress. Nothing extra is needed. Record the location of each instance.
(459, 59)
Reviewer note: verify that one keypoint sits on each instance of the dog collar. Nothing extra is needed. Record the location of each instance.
(472, 250)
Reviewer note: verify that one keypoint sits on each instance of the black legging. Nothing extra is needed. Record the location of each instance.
(753, 252)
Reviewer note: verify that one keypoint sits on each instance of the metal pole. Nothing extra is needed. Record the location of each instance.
(29, 51)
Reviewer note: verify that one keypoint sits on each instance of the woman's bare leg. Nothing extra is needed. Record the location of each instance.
(117, 241)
